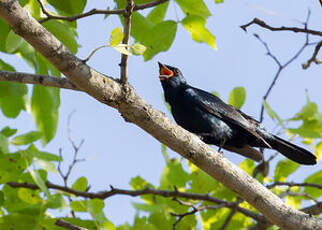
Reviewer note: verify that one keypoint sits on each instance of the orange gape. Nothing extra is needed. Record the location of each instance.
(165, 71)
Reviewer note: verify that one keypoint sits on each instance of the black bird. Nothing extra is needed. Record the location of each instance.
(218, 123)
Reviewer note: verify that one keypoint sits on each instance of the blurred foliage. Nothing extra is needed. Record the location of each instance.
(22, 161)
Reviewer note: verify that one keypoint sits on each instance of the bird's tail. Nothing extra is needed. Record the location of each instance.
(291, 151)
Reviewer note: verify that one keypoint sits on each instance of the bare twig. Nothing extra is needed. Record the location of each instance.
(37, 79)
(65, 224)
(95, 11)
(127, 30)
(293, 184)
(280, 66)
(282, 28)
(314, 57)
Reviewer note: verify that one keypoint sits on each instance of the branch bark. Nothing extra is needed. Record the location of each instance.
(134, 109)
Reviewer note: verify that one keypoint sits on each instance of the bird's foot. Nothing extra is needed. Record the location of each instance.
(220, 150)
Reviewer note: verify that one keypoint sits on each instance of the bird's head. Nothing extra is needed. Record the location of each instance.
(170, 76)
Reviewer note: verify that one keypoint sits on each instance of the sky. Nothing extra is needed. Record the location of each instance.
(115, 151)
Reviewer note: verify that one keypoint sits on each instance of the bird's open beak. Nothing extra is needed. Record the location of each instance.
(165, 73)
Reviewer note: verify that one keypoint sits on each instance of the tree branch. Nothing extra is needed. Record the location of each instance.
(65, 224)
(314, 57)
(134, 109)
(37, 79)
(95, 11)
(293, 184)
(282, 28)
(146, 191)
(127, 31)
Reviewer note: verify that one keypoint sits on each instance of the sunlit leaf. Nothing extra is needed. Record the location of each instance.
(284, 168)
(80, 184)
(116, 36)
(138, 49)
(157, 13)
(318, 151)
(27, 138)
(315, 178)
(122, 49)
(194, 7)
(13, 42)
(39, 181)
(237, 97)
(196, 27)
(8, 132)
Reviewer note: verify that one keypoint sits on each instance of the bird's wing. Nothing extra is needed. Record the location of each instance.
(227, 113)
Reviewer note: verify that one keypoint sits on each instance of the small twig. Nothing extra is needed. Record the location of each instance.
(95, 11)
(37, 79)
(315, 209)
(314, 57)
(282, 28)
(293, 184)
(303, 194)
(65, 224)
(127, 30)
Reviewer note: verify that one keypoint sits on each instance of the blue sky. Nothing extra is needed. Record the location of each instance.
(116, 151)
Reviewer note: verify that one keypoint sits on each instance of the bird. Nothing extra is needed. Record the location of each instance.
(221, 124)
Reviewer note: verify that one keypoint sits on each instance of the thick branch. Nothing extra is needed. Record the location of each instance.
(282, 28)
(95, 11)
(134, 109)
(37, 79)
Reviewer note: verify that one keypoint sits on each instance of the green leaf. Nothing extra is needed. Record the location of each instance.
(318, 151)
(159, 38)
(13, 98)
(80, 184)
(5, 29)
(12, 166)
(69, 7)
(309, 129)
(39, 181)
(138, 49)
(139, 183)
(32, 151)
(173, 175)
(219, 1)
(315, 178)
(196, 27)
(116, 37)
(65, 33)
(194, 7)
(27, 138)
(79, 205)
(6, 66)
(284, 168)
(273, 115)
(95, 206)
(13, 42)
(46, 165)
(8, 132)
(157, 13)
(141, 27)
(44, 106)
(4, 144)
(248, 166)
(29, 196)
(56, 201)
(237, 97)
